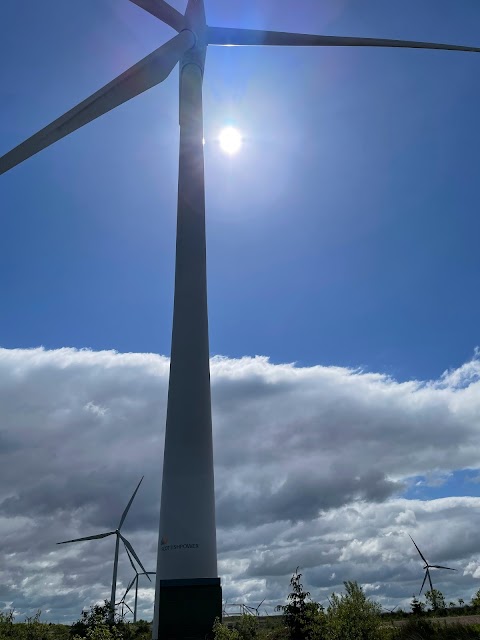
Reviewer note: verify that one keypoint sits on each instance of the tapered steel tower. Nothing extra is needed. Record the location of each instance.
(188, 592)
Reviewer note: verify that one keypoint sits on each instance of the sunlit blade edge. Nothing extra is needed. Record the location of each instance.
(142, 76)
(245, 37)
(124, 514)
(163, 11)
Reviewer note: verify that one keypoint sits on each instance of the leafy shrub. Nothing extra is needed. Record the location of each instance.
(352, 616)
(423, 629)
(6, 624)
(247, 627)
(99, 624)
(141, 630)
(33, 629)
(222, 632)
(436, 601)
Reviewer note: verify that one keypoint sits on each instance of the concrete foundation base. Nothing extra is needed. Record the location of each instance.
(188, 608)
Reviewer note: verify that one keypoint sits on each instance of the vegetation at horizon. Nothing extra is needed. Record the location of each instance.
(348, 616)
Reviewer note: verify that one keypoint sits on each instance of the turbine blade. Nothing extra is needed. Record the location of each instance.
(439, 566)
(128, 608)
(124, 514)
(132, 551)
(421, 554)
(163, 11)
(430, 580)
(142, 76)
(131, 561)
(229, 36)
(128, 588)
(97, 537)
(423, 584)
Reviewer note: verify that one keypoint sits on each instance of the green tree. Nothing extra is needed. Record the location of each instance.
(97, 624)
(33, 629)
(436, 601)
(418, 608)
(304, 619)
(352, 616)
(247, 627)
(6, 624)
(476, 600)
(222, 632)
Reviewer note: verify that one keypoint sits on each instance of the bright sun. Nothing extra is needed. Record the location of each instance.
(230, 140)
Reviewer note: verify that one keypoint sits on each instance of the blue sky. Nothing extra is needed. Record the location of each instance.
(344, 234)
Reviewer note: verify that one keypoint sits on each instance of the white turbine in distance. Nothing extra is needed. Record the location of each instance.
(128, 547)
(135, 582)
(187, 575)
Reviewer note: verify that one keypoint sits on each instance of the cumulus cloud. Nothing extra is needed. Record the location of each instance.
(311, 469)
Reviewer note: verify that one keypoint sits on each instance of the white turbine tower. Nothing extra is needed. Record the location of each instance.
(128, 547)
(187, 579)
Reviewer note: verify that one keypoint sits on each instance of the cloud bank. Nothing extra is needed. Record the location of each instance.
(313, 468)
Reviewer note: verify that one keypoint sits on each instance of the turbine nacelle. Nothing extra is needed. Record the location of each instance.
(195, 21)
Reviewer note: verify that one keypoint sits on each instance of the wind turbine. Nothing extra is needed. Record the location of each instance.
(255, 610)
(187, 556)
(389, 610)
(427, 568)
(135, 582)
(123, 605)
(126, 543)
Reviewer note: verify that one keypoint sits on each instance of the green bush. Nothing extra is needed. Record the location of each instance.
(436, 601)
(424, 629)
(222, 632)
(352, 616)
(247, 627)
(6, 624)
(99, 624)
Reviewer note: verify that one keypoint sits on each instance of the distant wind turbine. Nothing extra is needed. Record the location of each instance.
(255, 610)
(187, 550)
(123, 604)
(127, 545)
(427, 568)
(135, 582)
(389, 610)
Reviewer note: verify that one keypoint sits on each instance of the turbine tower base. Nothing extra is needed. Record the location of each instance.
(188, 608)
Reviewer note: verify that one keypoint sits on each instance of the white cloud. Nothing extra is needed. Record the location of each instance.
(310, 468)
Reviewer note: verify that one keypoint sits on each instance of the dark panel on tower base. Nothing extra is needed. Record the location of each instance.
(188, 608)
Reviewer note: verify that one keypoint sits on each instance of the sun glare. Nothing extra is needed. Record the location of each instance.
(230, 140)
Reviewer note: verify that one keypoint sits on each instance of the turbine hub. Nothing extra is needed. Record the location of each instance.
(195, 22)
